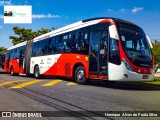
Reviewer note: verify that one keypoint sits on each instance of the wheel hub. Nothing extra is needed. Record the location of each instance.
(80, 74)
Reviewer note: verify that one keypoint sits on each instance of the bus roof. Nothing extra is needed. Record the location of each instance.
(78, 25)
(69, 28)
(18, 45)
(116, 19)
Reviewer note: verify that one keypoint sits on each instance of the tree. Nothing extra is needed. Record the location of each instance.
(156, 54)
(23, 34)
(3, 49)
(42, 31)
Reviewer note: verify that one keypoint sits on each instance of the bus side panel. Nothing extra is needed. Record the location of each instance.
(6, 69)
(65, 64)
(21, 70)
(15, 64)
(45, 63)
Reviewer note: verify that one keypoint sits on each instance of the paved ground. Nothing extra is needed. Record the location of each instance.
(20, 93)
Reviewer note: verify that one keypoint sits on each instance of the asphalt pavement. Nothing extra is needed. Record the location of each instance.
(72, 101)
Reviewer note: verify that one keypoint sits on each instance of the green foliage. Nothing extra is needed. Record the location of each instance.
(157, 79)
(156, 54)
(3, 49)
(42, 31)
(23, 34)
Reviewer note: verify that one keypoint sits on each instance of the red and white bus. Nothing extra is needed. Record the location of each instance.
(104, 48)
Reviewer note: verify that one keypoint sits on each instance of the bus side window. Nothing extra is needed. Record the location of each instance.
(85, 41)
(59, 44)
(53, 45)
(65, 44)
(73, 42)
(10, 53)
(79, 44)
(35, 50)
(82, 41)
(56, 45)
(44, 44)
(70, 43)
(15, 53)
(50, 46)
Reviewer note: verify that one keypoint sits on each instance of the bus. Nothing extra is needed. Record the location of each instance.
(2, 60)
(108, 49)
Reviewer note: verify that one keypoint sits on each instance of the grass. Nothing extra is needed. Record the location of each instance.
(155, 82)
(157, 79)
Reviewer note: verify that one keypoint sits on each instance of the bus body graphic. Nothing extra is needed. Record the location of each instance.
(100, 48)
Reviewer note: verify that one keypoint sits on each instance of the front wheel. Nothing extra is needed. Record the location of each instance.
(36, 72)
(80, 75)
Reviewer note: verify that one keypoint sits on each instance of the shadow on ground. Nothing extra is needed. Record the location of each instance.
(138, 86)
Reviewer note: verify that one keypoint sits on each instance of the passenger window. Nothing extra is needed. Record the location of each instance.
(82, 41)
(66, 44)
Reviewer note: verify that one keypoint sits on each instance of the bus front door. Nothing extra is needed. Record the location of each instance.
(98, 65)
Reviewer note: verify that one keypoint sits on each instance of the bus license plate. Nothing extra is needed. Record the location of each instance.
(145, 77)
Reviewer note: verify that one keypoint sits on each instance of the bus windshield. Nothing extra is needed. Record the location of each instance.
(135, 44)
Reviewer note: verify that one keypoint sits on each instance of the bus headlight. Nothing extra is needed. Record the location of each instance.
(127, 65)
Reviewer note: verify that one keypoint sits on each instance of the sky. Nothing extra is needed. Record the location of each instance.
(59, 13)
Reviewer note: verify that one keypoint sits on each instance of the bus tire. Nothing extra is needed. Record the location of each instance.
(36, 72)
(80, 75)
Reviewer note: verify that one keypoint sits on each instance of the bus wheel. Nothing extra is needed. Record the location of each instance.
(80, 75)
(36, 72)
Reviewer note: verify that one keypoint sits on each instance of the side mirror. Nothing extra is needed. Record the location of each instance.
(113, 32)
